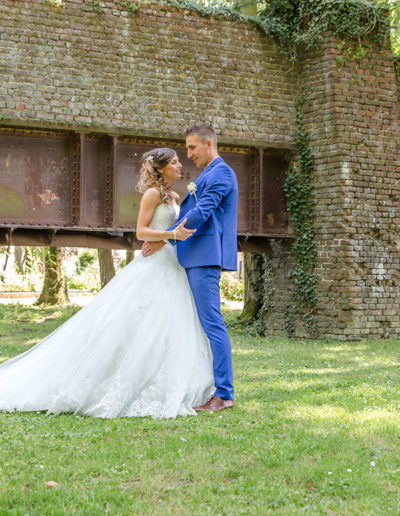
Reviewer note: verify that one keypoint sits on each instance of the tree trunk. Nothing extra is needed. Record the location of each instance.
(253, 286)
(19, 258)
(54, 291)
(130, 255)
(106, 263)
(7, 255)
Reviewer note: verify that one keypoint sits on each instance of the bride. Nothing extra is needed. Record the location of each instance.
(138, 348)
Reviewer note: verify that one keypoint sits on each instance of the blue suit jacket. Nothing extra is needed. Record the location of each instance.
(214, 215)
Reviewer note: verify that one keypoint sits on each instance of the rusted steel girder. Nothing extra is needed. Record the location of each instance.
(65, 188)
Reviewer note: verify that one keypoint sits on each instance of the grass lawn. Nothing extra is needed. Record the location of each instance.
(316, 430)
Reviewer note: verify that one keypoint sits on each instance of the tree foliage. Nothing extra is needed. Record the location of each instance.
(394, 6)
(297, 24)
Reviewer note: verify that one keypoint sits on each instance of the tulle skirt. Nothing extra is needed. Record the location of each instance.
(137, 349)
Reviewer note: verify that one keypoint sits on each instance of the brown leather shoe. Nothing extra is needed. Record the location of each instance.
(214, 404)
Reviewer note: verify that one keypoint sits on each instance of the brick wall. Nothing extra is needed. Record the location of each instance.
(353, 119)
(151, 74)
(279, 288)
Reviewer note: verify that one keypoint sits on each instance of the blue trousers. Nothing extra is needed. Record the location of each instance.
(204, 282)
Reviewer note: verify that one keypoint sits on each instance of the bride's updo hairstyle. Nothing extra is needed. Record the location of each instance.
(150, 177)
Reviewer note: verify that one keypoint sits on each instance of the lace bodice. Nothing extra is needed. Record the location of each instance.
(164, 216)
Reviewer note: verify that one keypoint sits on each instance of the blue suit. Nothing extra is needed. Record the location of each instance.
(213, 212)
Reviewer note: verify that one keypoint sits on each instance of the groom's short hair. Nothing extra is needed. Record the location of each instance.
(203, 131)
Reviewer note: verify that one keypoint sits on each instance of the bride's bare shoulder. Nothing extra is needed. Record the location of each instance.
(152, 196)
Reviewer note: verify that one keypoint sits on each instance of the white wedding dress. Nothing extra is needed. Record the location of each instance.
(137, 349)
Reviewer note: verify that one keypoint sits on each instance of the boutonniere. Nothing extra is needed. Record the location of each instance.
(192, 189)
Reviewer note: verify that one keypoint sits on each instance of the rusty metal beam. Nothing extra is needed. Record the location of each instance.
(81, 157)
(259, 196)
(77, 173)
(255, 193)
(111, 240)
(77, 186)
(42, 238)
(113, 182)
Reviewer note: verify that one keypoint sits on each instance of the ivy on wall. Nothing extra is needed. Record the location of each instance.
(397, 68)
(297, 26)
(300, 205)
(397, 71)
(262, 284)
(98, 5)
(266, 289)
(299, 194)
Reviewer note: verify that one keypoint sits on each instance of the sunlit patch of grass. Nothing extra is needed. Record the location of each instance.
(24, 326)
(331, 415)
(315, 430)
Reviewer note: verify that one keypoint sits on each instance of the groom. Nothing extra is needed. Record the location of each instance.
(211, 208)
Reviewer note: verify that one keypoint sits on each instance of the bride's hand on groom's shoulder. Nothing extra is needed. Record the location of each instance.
(149, 248)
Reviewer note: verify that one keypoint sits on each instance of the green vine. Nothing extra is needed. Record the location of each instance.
(397, 72)
(298, 25)
(211, 9)
(131, 6)
(57, 3)
(290, 315)
(257, 286)
(300, 205)
(262, 285)
(98, 6)
(268, 291)
(397, 68)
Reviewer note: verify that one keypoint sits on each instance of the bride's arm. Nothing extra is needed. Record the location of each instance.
(150, 200)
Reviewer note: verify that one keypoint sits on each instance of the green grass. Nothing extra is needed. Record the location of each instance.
(316, 430)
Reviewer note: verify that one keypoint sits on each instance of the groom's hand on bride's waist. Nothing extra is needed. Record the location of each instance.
(149, 248)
